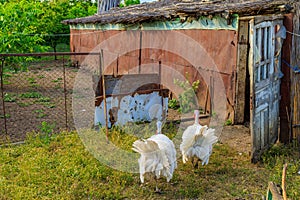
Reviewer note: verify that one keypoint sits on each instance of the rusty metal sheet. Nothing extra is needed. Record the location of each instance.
(219, 47)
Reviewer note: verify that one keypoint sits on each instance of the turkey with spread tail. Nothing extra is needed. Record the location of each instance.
(158, 156)
(197, 142)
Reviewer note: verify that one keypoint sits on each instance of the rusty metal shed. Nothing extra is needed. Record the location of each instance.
(246, 47)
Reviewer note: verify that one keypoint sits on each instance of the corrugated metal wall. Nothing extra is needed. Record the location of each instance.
(219, 47)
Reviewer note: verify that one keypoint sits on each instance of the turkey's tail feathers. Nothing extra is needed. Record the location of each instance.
(203, 141)
(144, 146)
(153, 159)
(205, 137)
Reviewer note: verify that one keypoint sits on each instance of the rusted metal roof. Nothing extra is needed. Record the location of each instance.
(167, 10)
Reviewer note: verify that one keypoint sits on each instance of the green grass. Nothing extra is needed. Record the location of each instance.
(57, 80)
(43, 99)
(40, 113)
(22, 99)
(6, 116)
(31, 80)
(228, 122)
(32, 94)
(24, 104)
(9, 97)
(60, 167)
(274, 160)
(6, 77)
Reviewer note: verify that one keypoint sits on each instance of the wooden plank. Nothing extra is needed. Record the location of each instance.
(186, 119)
(263, 18)
(285, 86)
(273, 192)
(283, 182)
(252, 94)
(241, 72)
(295, 78)
(104, 93)
(296, 130)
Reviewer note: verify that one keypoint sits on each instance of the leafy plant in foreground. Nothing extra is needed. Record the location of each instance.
(46, 130)
(188, 98)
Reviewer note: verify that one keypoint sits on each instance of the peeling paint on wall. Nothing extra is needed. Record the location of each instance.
(137, 108)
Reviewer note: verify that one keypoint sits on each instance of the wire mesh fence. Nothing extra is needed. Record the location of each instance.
(37, 98)
(38, 95)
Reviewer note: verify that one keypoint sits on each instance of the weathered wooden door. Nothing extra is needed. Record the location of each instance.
(264, 69)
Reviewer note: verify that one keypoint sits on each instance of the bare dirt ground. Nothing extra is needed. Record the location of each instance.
(236, 136)
(40, 94)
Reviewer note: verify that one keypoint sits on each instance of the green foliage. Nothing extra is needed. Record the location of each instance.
(22, 99)
(9, 97)
(24, 104)
(31, 80)
(174, 104)
(129, 2)
(46, 129)
(43, 99)
(28, 26)
(57, 80)
(228, 122)
(57, 11)
(31, 95)
(19, 26)
(188, 98)
(278, 152)
(6, 116)
(275, 158)
(40, 113)
(6, 77)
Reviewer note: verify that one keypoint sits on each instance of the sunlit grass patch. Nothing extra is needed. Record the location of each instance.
(274, 160)
(85, 166)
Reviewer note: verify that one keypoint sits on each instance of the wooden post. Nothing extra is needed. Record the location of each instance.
(65, 94)
(283, 182)
(273, 192)
(140, 52)
(159, 73)
(211, 95)
(118, 65)
(206, 99)
(2, 94)
(104, 93)
(242, 60)
(295, 60)
(162, 97)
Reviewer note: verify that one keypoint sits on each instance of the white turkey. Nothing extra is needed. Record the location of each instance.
(158, 156)
(197, 142)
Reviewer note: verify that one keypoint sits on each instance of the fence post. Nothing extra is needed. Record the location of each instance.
(211, 95)
(140, 52)
(104, 92)
(65, 93)
(2, 94)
